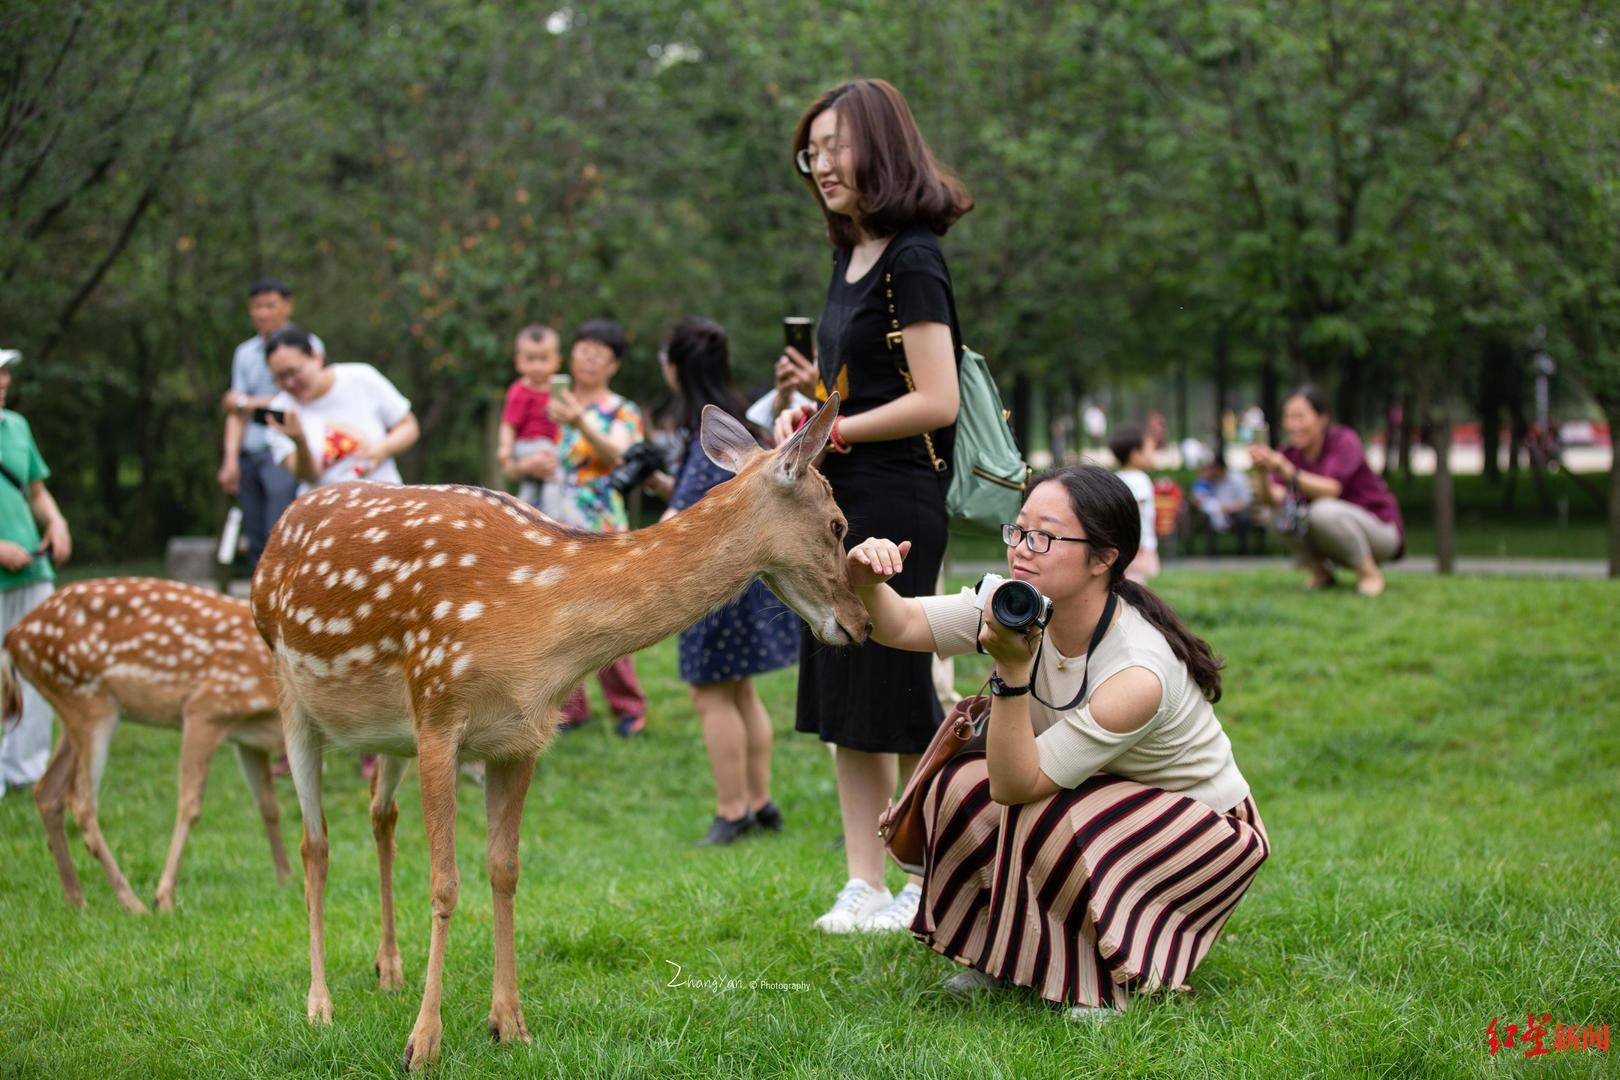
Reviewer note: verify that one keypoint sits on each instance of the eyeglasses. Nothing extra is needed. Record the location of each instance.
(1037, 541)
(808, 158)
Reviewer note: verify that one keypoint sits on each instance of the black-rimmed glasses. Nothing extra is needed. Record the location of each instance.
(1035, 540)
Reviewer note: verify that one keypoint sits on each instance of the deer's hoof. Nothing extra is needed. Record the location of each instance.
(319, 1008)
(506, 1023)
(390, 972)
(164, 902)
(422, 1049)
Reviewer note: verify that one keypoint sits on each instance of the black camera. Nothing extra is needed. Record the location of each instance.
(1017, 605)
(639, 462)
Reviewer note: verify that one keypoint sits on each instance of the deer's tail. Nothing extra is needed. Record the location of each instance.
(11, 699)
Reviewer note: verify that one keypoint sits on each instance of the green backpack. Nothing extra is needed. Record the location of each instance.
(987, 472)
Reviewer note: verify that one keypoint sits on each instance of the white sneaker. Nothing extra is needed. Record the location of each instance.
(1091, 1014)
(971, 981)
(856, 901)
(898, 915)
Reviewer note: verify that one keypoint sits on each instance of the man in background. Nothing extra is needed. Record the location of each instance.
(263, 488)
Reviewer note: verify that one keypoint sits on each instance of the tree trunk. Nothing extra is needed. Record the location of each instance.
(1404, 445)
(1349, 404)
(1183, 391)
(1221, 375)
(1611, 412)
(1268, 397)
(1445, 506)
(1022, 398)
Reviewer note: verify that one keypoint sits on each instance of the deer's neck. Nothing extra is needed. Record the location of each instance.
(661, 579)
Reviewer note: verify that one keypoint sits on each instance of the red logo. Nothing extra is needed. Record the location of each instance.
(1533, 1036)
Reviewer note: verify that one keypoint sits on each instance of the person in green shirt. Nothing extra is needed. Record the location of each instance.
(34, 539)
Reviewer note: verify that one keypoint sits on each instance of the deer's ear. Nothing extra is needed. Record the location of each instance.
(727, 442)
(798, 452)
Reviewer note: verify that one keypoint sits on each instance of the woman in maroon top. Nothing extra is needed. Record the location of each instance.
(1351, 518)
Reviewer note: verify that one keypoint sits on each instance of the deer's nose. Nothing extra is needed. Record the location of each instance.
(866, 631)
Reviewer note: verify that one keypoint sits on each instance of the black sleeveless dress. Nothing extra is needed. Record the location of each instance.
(870, 697)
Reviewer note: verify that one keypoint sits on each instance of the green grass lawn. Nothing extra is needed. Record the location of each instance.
(1439, 772)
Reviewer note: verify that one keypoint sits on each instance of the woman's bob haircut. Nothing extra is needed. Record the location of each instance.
(897, 177)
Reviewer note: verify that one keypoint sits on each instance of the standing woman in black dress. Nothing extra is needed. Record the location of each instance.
(888, 344)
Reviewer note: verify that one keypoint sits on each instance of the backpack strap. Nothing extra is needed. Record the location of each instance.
(894, 341)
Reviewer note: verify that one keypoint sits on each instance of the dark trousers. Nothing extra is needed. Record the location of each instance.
(264, 491)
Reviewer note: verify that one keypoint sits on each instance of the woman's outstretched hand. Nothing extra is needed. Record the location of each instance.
(875, 561)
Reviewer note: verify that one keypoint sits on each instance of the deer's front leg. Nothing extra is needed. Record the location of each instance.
(384, 815)
(436, 765)
(304, 756)
(506, 784)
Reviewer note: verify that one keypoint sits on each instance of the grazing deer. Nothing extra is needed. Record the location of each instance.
(446, 621)
(161, 653)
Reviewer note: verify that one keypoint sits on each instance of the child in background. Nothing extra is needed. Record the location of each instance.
(1133, 452)
(529, 436)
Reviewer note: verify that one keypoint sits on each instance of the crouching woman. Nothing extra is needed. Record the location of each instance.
(1096, 847)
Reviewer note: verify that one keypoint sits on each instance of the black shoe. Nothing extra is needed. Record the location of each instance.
(769, 817)
(726, 831)
(631, 726)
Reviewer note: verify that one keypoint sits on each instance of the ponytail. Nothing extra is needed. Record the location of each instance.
(1202, 663)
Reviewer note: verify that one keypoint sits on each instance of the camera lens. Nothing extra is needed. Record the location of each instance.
(1016, 605)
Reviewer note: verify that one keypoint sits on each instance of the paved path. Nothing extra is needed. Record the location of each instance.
(1416, 564)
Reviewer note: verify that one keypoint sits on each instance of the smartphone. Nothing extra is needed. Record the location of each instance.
(560, 383)
(261, 414)
(799, 333)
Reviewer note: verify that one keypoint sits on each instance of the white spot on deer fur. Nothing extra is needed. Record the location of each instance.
(363, 610)
(331, 579)
(384, 591)
(441, 609)
(467, 559)
(340, 625)
(459, 666)
(438, 560)
(520, 575)
(471, 610)
(317, 625)
(381, 563)
(354, 578)
(323, 566)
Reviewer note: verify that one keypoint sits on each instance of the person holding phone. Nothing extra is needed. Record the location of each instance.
(340, 421)
(1095, 846)
(888, 343)
(598, 426)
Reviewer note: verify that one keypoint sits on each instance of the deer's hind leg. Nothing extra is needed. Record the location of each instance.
(50, 795)
(255, 765)
(384, 815)
(505, 786)
(89, 724)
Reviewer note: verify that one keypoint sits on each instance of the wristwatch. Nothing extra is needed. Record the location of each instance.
(998, 688)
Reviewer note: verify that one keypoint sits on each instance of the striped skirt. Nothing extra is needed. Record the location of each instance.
(1086, 897)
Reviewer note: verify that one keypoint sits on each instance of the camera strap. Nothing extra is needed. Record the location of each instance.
(1096, 637)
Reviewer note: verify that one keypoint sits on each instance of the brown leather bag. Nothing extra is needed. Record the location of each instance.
(901, 825)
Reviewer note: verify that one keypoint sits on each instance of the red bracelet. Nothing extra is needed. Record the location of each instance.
(837, 438)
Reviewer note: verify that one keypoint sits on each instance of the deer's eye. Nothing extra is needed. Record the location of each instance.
(839, 529)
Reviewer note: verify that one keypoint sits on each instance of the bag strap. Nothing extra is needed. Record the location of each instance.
(1096, 639)
(11, 478)
(893, 339)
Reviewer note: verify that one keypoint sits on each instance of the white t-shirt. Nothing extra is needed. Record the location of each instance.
(1142, 490)
(1181, 748)
(358, 411)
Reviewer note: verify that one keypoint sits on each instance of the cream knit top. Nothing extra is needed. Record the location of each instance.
(1181, 748)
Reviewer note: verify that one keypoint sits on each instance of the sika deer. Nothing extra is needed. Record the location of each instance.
(164, 654)
(446, 621)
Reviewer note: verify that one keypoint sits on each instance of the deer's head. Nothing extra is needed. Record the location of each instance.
(797, 519)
